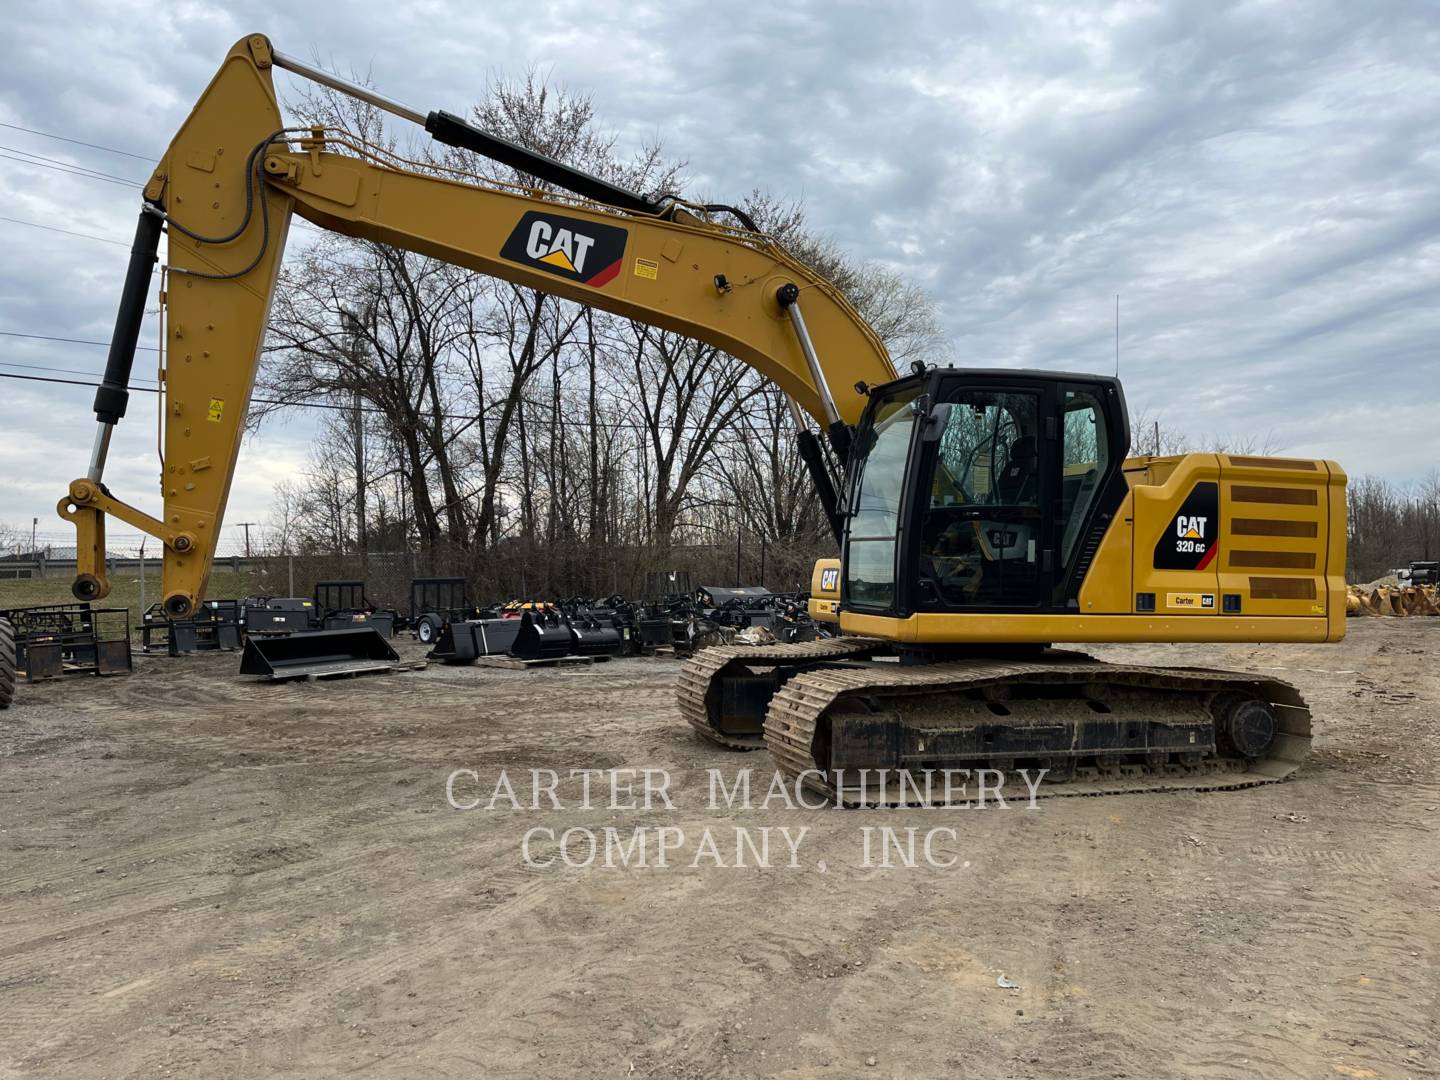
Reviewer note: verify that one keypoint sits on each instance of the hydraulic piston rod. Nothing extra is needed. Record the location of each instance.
(450, 129)
(113, 394)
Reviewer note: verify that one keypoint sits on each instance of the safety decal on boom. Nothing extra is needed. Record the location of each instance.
(571, 248)
(1191, 540)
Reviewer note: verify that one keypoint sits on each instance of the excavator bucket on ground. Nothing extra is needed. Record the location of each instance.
(542, 636)
(596, 637)
(1392, 600)
(464, 642)
(319, 654)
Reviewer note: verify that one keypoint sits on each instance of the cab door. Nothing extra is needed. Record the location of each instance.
(984, 539)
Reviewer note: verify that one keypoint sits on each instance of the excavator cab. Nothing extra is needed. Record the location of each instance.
(981, 491)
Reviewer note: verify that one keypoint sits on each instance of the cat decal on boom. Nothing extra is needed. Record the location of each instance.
(583, 251)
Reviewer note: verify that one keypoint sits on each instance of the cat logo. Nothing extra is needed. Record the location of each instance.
(829, 580)
(576, 250)
(1190, 527)
(1191, 539)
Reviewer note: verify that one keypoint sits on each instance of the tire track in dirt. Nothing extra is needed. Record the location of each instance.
(222, 946)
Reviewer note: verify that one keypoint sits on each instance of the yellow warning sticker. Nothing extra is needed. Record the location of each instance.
(1205, 601)
(647, 269)
(217, 409)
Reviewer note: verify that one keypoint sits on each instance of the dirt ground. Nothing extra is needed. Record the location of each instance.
(205, 877)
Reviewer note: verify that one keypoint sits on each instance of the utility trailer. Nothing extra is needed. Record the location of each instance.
(435, 602)
(214, 627)
(68, 639)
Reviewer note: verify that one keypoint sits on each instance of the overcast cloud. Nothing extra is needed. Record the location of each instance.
(1257, 181)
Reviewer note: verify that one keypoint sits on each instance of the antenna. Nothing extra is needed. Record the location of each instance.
(1117, 335)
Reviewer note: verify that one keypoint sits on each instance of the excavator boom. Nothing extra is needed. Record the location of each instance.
(235, 174)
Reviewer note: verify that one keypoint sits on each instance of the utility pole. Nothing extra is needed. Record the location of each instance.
(360, 539)
(356, 416)
(246, 526)
(34, 524)
(738, 533)
(1117, 335)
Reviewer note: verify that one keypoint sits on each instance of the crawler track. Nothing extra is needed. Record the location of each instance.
(929, 698)
(701, 677)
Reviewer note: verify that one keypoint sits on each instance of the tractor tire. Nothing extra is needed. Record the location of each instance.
(7, 664)
(427, 630)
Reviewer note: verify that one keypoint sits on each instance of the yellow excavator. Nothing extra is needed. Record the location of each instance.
(981, 514)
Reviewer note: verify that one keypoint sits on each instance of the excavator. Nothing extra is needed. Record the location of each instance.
(981, 514)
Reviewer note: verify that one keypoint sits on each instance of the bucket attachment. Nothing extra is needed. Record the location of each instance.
(462, 642)
(596, 637)
(542, 636)
(319, 654)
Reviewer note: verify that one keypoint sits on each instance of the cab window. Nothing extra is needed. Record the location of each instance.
(1084, 457)
(875, 520)
(982, 526)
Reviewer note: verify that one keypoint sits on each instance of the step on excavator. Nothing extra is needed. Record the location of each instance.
(980, 514)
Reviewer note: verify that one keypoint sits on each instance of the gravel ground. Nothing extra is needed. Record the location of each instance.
(204, 876)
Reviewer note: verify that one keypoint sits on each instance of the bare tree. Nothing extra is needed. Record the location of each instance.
(509, 432)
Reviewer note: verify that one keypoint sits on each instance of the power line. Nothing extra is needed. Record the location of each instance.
(63, 232)
(69, 340)
(77, 142)
(52, 370)
(59, 382)
(73, 172)
(295, 223)
(69, 165)
(613, 425)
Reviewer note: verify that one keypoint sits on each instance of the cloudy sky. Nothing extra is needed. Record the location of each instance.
(1260, 182)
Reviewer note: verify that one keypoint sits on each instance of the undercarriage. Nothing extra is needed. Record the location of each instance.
(834, 714)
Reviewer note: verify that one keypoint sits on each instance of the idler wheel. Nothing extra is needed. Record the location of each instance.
(1249, 725)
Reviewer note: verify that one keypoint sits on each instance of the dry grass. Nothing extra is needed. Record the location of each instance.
(124, 590)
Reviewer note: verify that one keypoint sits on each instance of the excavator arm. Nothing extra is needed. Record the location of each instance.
(225, 193)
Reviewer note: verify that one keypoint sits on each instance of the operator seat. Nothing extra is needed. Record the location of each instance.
(1017, 483)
